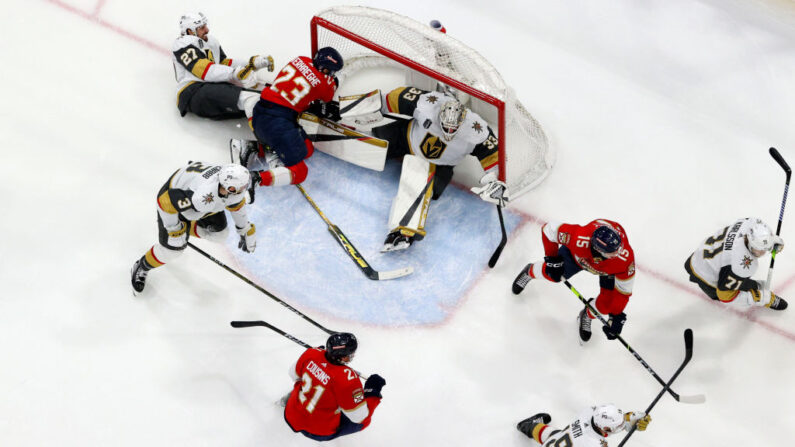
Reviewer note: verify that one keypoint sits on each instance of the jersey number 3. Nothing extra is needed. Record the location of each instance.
(306, 387)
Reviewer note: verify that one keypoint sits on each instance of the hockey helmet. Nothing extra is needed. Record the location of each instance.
(607, 419)
(191, 21)
(606, 241)
(328, 58)
(341, 347)
(234, 178)
(760, 238)
(451, 116)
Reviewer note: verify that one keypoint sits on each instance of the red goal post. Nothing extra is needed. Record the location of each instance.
(368, 37)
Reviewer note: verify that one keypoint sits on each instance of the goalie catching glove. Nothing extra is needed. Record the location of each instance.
(248, 239)
(328, 110)
(493, 189)
(259, 62)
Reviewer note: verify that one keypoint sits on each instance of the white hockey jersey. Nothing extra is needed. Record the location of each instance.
(198, 61)
(579, 433)
(192, 193)
(724, 261)
(425, 140)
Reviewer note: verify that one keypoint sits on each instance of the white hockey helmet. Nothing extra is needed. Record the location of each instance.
(759, 238)
(607, 419)
(234, 178)
(451, 115)
(191, 21)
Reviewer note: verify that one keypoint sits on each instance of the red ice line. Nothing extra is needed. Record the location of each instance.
(749, 315)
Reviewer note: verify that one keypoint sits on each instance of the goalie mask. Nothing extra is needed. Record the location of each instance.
(607, 419)
(191, 21)
(451, 116)
(234, 178)
(759, 238)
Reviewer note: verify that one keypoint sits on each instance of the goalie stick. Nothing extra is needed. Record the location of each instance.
(694, 399)
(667, 386)
(253, 284)
(354, 254)
(244, 324)
(780, 160)
(503, 241)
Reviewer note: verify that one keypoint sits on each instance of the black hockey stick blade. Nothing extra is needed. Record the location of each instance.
(503, 241)
(359, 260)
(239, 324)
(242, 324)
(688, 344)
(780, 160)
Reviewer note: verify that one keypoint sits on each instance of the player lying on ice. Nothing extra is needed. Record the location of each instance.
(589, 429)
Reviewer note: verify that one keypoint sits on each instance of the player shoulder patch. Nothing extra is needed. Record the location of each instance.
(208, 198)
(563, 238)
(358, 396)
(477, 126)
(431, 99)
(631, 269)
(746, 262)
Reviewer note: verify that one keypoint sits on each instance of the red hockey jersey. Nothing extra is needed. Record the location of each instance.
(578, 240)
(322, 390)
(298, 84)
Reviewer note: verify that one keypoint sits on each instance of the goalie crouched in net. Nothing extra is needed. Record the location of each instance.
(439, 136)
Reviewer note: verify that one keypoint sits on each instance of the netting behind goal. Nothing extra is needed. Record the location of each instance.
(369, 37)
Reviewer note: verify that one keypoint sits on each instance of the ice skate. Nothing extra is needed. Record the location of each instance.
(779, 303)
(521, 280)
(527, 425)
(138, 277)
(397, 241)
(584, 326)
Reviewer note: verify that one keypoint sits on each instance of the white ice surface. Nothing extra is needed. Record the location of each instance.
(662, 112)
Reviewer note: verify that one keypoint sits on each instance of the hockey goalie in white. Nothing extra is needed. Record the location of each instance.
(724, 263)
(435, 134)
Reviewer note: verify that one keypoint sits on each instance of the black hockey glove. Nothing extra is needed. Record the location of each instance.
(373, 385)
(614, 325)
(553, 267)
(328, 110)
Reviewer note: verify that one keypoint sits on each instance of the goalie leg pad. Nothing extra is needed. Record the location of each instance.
(413, 178)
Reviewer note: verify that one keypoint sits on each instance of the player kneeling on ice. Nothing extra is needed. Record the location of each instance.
(723, 264)
(192, 203)
(327, 400)
(590, 429)
(209, 84)
(439, 136)
(303, 84)
(600, 247)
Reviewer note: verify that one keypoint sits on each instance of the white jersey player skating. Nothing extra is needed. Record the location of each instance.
(589, 429)
(210, 84)
(724, 263)
(192, 204)
(440, 134)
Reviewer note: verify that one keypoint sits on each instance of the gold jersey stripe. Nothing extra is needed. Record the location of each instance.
(227, 62)
(237, 206)
(727, 295)
(183, 89)
(164, 202)
(393, 98)
(490, 161)
(151, 259)
(200, 68)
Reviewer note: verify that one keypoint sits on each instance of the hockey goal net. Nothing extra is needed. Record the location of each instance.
(369, 37)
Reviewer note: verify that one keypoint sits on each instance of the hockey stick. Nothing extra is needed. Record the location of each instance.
(694, 399)
(780, 160)
(242, 324)
(253, 284)
(348, 133)
(352, 251)
(413, 208)
(667, 386)
(503, 241)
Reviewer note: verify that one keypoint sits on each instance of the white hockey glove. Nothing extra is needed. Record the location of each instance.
(261, 62)
(492, 189)
(244, 76)
(639, 418)
(177, 235)
(248, 238)
(778, 244)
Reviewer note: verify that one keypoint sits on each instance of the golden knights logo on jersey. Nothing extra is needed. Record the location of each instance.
(432, 147)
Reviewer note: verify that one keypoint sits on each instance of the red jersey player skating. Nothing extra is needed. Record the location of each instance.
(327, 400)
(602, 248)
(303, 84)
